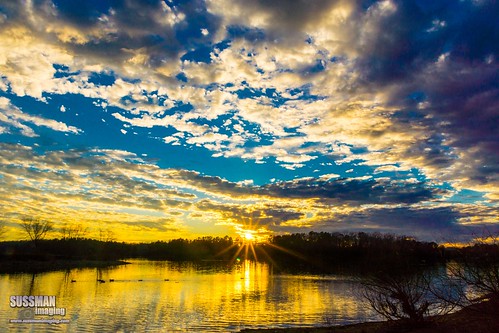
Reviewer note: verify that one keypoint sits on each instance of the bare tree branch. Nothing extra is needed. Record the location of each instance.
(73, 231)
(474, 276)
(403, 296)
(36, 229)
(2, 229)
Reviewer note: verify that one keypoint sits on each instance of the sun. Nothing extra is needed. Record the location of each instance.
(252, 236)
(248, 236)
(248, 243)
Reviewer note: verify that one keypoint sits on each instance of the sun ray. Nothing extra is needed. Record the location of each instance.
(245, 251)
(236, 254)
(226, 250)
(293, 253)
(253, 251)
(268, 257)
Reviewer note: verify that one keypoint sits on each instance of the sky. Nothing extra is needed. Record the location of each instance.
(153, 120)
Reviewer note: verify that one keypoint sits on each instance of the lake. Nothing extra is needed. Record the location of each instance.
(160, 296)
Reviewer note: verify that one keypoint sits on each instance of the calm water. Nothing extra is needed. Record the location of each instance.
(180, 297)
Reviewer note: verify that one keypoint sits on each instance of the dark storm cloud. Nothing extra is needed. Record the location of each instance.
(265, 215)
(287, 21)
(110, 31)
(426, 223)
(419, 32)
(292, 15)
(447, 52)
(465, 100)
(134, 27)
(84, 13)
(463, 93)
(188, 31)
(362, 191)
(397, 47)
(217, 184)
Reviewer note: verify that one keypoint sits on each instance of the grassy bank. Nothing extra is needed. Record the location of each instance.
(478, 318)
(36, 266)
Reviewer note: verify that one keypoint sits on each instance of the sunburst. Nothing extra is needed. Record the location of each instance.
(248, 236)
(253, 236)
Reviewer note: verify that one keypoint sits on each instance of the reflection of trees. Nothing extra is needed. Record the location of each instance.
(32, 284)
(480, 268)
(473, 276)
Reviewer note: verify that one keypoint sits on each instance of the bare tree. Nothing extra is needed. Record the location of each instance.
(106, 235)
(2, 229)
(36, 229)
(73, 231)
(403, 296)
(474, 277)
(480, 267)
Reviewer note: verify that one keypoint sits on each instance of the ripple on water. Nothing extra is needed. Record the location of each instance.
(185, 297)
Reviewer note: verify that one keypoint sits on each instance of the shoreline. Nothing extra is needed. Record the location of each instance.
(482, 317)
(37, 266)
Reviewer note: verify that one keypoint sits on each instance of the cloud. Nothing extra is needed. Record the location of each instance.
(379, 86)
(101, 188)
(391, 50)
(75, 185)
(355, 191)
(441, 224)
(27, 70)
(279, 19)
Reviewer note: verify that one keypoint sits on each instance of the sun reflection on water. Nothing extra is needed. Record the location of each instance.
(166, 296)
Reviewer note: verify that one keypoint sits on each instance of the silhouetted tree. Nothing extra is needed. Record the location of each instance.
(474, 276)
(36, 229)
(2, 229)
(73, 231)
(106, 235)
(403, 296)
(362, 251)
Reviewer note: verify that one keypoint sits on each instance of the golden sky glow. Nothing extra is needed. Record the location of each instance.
(266, 116)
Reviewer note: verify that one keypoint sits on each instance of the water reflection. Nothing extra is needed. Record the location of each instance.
(168, 297)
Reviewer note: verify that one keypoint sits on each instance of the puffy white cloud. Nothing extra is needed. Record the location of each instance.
(328, 75)
(27, 69)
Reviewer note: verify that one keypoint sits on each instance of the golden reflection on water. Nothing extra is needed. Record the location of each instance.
(168, 297)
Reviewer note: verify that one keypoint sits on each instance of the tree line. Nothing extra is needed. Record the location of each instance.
(332, 251)
(320, 251)
(402, 277)
(313, 251)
